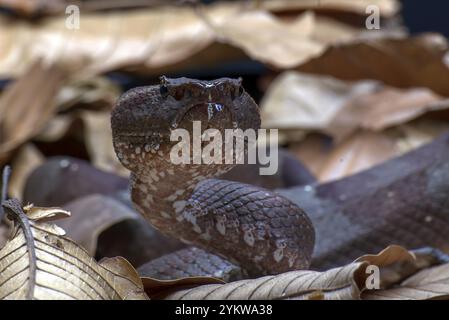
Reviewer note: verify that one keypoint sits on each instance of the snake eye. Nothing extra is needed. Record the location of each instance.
(163, 90)
(179, 94)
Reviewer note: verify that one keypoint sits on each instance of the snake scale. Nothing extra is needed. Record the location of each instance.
(257, 229)
(240, 230)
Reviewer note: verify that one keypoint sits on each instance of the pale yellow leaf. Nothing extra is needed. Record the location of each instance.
(345, 282)
(38, 262)
(431, 283)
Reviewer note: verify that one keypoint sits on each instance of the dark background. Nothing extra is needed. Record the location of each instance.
(426, 15)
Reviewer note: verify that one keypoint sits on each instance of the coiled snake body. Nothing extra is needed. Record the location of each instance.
(259, 230)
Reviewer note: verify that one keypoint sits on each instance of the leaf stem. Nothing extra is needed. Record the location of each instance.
(4, 191)
(15, 213)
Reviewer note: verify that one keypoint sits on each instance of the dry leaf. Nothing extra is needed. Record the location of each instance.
(38, 262)
(107, 227)
(387, 8)
(414, 134)
(94, 93)
(310, 102)
(27, 104)
(40, 7)
(346, 282)
(96, 132)
(4, 233)
(425, 258)
(385, 108)
(313, 151)
(31, 7)
(156, 288)
(144, 41)
(289, 43)
(301, 101)
(67, 179)
(24, 162)
(430, 283)
(361, 151)
(56, 128)
(98, 138)
(35, 8)
(420, 61)
(365, 149)
(108, 41)
(90, 216)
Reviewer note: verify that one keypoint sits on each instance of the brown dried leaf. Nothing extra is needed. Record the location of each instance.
(4, 233)
(388, 256)
(24, 162)
(425, 258)
(98, 139)
(157, 289)
(56, 128)
(313, 151)
(34, 7)
(346, 282)
(308, 102)
(359, 152)
(92, 215)
(27, 104)
(414, 134)
(385, 108)
(364, 149)
(295, 36)
(131, 38)
(431, 283)
(94, 93)
(96, 133)
(143, 41)
(420, 61)
(387, 8)
(31, 7)
(106, 227)
(38, 262)
(298, 103)
(67, 179)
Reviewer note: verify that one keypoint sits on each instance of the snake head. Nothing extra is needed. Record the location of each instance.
(145, 117)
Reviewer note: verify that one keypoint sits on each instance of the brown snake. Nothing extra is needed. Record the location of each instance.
(257, 229)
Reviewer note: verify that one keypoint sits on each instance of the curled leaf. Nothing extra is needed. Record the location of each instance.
(431, 283)
(345, 282)
(419, 61)
(156, 288)
(91, 216)
(38, 262)
(23, 111)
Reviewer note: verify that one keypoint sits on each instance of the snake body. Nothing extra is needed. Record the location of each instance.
(259, 230)
(403, 201)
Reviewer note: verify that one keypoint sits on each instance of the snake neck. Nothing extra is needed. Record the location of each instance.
(162, 194)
